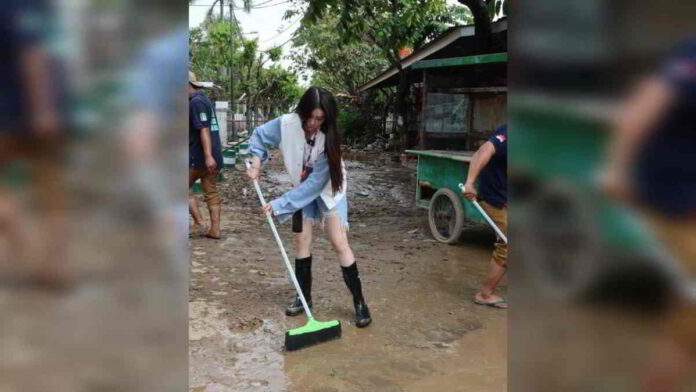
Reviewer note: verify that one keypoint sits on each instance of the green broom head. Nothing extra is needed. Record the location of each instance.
(313, 332)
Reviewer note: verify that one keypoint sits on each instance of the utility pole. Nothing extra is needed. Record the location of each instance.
(232, 107)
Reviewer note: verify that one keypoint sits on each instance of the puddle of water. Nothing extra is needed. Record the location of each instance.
(221, 360)
(479, 357)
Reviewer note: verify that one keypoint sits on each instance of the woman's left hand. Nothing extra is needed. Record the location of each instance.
(267, 210)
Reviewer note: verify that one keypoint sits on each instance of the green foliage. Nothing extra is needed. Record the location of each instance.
(387, 24)
(356, 124)
(337, 66)
(348, 42)
(217, 47)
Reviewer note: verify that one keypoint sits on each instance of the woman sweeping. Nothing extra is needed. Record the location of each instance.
(311, 147)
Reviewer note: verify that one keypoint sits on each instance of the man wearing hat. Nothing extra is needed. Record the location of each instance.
(205, 156)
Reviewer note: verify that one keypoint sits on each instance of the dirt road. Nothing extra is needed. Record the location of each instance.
(426, 334)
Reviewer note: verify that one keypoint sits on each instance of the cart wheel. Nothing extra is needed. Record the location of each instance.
(446, 216)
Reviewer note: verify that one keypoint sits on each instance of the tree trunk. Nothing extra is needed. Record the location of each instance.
(401, 93)
(482, 23)
(249, 114)
(385, 116)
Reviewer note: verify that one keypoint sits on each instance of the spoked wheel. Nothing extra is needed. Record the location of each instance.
(446, 216)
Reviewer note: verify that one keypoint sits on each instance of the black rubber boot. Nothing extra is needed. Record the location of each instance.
(303, 273)
(352, 279)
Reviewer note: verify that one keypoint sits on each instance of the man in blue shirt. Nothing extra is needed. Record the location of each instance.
(32, 133)
(652, 163)
(489, 166)
(205, 155)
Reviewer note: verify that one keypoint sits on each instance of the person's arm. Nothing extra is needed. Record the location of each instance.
(267, 134)
(36, 78)
(38, 85)
(478, 161)
(306, 191)
(207, 142)
(634, 122)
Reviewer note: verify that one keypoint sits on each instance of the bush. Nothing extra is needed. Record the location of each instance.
(355, 124)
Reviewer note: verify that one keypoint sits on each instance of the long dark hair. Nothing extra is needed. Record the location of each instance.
(320, 98)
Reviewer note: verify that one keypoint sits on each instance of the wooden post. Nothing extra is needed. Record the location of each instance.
(424, 103)
(469, 143)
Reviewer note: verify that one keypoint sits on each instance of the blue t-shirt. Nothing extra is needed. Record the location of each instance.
(492, 181)
(202, 115)
(666, 169)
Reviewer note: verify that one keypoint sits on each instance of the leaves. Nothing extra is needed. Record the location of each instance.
(339, 66)
(275, 53)
(386, 24)
(216, 48)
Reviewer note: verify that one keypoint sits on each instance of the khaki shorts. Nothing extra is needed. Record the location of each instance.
(499, 217)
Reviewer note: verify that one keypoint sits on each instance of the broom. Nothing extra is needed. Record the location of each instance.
(314, 331)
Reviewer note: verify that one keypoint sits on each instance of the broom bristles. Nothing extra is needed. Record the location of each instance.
(298, 341)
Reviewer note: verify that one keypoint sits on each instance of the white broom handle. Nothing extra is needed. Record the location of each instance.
(488, 219)
(282, 249)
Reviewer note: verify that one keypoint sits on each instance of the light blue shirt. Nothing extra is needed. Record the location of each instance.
(269, 134)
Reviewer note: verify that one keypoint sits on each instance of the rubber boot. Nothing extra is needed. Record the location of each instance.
(303, 273)
(352, 279)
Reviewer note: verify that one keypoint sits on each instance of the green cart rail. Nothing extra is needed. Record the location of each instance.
(439, 174)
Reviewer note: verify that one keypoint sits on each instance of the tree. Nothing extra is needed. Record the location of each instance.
(246, 6)
(216, 46)
(484, 11)
(320, 48)
(278, 90)
(389, 25)
(251, 65)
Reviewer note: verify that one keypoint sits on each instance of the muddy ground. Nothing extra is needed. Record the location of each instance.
(119, 322)
(426, 334)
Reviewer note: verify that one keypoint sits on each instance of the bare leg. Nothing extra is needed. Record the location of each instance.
(487, 290)
(303, 241)
(9, 228)
(498, 263)
(669, 369)
(339, 240)
(51, 195)
(195, 214)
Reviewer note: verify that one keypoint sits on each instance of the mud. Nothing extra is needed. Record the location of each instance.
(426, 333)
(119, 325)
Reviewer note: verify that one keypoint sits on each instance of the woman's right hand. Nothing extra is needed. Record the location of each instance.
(253, 172)
(254, 169)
